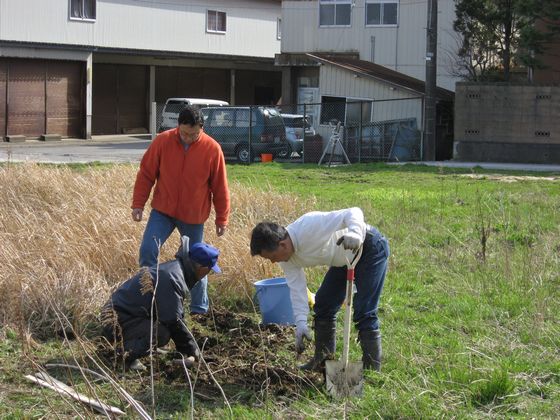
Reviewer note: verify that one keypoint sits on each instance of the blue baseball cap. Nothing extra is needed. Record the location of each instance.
(205, 255)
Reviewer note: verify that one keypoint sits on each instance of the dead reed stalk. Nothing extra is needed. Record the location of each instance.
(69, 231)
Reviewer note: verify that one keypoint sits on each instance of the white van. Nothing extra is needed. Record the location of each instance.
(173, 106)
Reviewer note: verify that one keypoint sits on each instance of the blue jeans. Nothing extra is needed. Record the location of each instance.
(369, 278)
(158, 229)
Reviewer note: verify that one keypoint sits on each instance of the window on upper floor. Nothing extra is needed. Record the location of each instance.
(382, 12)
(83, 9)
(216, 21)
(335, 12)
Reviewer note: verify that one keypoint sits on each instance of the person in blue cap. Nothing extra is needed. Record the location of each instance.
(128, 316)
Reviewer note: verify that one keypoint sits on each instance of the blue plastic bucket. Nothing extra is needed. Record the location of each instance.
(274, 301)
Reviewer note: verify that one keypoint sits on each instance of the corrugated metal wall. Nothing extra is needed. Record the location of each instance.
(338, 82)
(41, 97)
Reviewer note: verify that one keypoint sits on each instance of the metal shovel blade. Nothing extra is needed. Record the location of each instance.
(343, 382)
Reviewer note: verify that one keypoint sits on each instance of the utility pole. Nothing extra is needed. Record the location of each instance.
(429, 148)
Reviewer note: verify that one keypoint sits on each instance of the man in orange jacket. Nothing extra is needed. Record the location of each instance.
(188, 169)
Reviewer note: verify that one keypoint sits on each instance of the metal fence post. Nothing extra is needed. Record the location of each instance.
(250, 134)
(360, 132)
(302, 157)
(153, 116)
(422, 130)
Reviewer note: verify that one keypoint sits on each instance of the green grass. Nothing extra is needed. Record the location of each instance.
(468, 332)
(470, 325)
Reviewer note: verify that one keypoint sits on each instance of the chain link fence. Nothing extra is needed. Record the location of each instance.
(340, 131)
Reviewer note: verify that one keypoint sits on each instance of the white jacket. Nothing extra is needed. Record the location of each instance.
(314, 237)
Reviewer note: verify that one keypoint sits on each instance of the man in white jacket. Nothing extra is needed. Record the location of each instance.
(331, 239)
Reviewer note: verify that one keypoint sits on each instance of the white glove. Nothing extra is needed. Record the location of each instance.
(301, 332)
(350, 240)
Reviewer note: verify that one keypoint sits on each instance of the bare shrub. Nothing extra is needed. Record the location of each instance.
(67, 234)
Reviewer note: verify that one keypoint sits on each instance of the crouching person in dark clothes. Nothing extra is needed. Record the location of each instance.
(126, 317)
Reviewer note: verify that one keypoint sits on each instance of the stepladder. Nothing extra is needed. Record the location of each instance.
(334, 142)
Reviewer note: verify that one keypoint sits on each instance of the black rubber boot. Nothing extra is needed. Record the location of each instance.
(325, 345)
(371, 349)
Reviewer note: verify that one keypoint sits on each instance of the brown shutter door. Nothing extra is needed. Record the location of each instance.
(190, 83)
(216, 84)
(65, 102)
(119, 98)
(26, 97)
(104, 100)
(166, 86)
(3, 84)
(133, 99)
(173, 82)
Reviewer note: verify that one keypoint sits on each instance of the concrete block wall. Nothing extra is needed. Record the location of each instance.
(507, 123)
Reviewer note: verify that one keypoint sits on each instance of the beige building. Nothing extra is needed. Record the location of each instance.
(82, 67)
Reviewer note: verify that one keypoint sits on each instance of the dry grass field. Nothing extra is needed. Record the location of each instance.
(67, 239)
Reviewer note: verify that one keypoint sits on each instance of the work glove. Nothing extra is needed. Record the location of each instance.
(302, 332)
(350, 240)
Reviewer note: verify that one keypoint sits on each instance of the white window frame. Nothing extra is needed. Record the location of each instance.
(78, 18)
(216, 12)
(381, 3)
(335, 2)
(279, 28)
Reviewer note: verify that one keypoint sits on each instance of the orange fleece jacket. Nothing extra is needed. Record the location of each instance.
(188, 181)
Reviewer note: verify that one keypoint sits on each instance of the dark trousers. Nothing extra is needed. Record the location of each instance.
(132, 336)
(370, 277)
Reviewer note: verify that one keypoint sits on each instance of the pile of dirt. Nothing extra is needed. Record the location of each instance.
(244, 357)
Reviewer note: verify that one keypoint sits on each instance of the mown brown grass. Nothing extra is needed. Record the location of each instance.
(66, 236)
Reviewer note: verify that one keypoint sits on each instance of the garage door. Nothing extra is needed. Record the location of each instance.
(65, 93)
(26, 97)
(120, 99)
(41, 97)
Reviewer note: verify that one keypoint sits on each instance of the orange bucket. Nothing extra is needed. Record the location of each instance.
(266, 157)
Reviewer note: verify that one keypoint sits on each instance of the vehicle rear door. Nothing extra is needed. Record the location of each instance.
(219, 124)
(171, 111)
(243, 119)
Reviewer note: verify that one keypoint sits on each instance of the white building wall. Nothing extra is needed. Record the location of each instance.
(173, 25)
(401, 48)
(338, 82)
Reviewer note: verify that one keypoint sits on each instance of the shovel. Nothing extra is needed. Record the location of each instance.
(345, 379)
